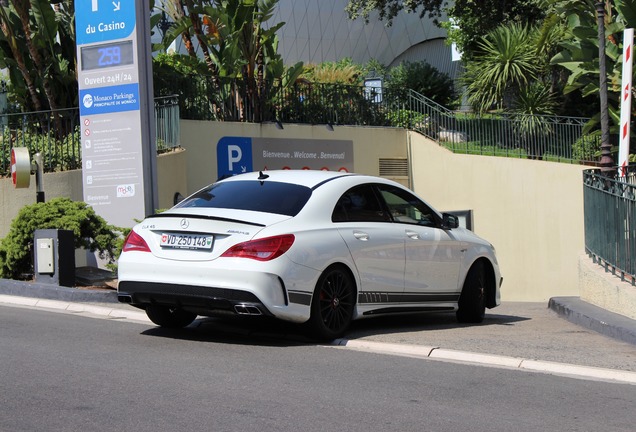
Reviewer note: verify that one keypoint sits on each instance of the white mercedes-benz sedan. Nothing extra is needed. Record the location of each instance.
(315, 247)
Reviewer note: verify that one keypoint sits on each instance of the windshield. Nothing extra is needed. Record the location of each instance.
(269, 197)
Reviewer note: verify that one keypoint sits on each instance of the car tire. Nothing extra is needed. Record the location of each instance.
(472, 301)
(332, 304)
(167, 317)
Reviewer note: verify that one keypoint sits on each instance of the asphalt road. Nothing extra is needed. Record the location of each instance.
(61, 372)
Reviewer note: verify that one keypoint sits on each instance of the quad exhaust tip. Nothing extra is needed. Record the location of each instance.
(243, 309)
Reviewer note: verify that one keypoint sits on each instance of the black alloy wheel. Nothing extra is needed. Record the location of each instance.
(472, 301)
(332, 304)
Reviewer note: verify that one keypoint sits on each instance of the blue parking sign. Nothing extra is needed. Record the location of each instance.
(233, 156)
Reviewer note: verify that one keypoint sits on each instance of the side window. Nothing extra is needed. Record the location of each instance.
(407, 208)
(359, 204)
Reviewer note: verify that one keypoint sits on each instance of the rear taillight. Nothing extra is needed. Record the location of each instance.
(134, 242)
(263, 249)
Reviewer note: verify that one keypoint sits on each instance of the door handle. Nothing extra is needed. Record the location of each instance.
(361, 235)
(413, 235)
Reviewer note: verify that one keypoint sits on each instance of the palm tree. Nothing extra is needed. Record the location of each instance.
(504, 62)
(235, 44)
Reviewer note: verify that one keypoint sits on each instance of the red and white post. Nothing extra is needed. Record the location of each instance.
(626, 101)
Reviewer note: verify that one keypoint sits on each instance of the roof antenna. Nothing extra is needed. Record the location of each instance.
(262, 176)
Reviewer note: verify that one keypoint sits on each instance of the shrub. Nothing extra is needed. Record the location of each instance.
(424, 79)
(91, 232)
(587, 147)
(408, 119)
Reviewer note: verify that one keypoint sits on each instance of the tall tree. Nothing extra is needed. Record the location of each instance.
(579, 46)
(37, 42)
(235, 43)
(465, 20)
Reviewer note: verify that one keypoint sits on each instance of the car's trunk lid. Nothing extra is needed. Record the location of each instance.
(201, 234)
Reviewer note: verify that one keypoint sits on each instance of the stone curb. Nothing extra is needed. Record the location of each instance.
(54, 292)
(589, 316)
(584, 372)
(114, 313)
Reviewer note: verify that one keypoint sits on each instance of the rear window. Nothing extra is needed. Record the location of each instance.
(269, 197)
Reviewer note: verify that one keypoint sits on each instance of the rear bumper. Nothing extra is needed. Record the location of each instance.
(198, 299)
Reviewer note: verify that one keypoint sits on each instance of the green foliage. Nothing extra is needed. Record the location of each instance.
(172, 71)
(579, 48)
(329, 103)
(407, 119)
(42, 66)
(471, 20)
(504, 62)
(587, 147)
(236, 45)
(468, 20)
(424, 79)
(91, 232)
(388, 9)
(340, 72)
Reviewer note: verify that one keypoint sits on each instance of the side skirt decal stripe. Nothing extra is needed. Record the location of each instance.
(380, 297)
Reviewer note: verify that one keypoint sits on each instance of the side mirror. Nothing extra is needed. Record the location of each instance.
(450, 221)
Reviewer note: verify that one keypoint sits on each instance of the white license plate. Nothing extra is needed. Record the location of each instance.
(186, 241)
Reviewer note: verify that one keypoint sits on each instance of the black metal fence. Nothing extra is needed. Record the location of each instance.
(56, 135)
(610, 221)
(53, 134)
(552, 138)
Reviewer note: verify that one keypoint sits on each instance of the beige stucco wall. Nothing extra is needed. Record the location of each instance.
(200, 138)
(532, 211)
(171, 177)
(60, 184)
(603, 289)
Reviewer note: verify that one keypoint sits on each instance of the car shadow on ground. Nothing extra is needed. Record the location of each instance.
(261, 331)
(264, 331)
(423, 322)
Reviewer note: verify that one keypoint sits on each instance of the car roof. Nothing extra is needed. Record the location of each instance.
(308, 178)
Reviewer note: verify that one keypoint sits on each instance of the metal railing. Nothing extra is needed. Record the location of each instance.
(56, 135)
(552, 138)
(167, 123)
(610, 221)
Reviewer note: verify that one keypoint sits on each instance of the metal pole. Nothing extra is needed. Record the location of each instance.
(39, 177)
(607, 163)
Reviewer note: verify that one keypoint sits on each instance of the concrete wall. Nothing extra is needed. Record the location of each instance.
(170, 173)
(199, 138)
(531, 211)
(60, 184)
(605, 290)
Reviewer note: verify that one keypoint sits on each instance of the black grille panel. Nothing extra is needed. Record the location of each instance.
(187, 296)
